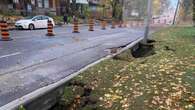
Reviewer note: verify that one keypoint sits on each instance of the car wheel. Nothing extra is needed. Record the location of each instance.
(31, 27)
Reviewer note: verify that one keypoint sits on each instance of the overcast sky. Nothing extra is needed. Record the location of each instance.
(174, 3)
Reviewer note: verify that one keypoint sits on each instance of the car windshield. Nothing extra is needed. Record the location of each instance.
(29, 17)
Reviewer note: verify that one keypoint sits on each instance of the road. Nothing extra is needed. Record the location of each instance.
(32, 60)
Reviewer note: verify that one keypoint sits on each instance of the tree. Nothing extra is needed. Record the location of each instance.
(66, 6)
(114, 4)
(193, 13)
(185, 11)
(160, 6)
(74, 7)
(116, 7)
(187, 4)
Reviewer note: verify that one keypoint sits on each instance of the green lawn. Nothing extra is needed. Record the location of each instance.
(163, 81)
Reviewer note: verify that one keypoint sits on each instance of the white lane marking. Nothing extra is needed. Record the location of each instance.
(13, 54)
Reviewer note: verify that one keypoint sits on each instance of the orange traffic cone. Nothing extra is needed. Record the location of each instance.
(130, 23)
(125, 24)
(91, 24)
(103, 23)
(76, 26)
(4, 31)
(120, 24)
(113, 24)
(142, 23)
(50, 28)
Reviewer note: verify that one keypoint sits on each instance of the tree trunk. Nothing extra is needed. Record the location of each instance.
(67, 5)
(74, 7)
(193, 13)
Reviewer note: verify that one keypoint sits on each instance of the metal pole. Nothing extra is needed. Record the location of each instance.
(176, 11)
(147, 21)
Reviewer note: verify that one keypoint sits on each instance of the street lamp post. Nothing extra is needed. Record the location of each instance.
(147, 21)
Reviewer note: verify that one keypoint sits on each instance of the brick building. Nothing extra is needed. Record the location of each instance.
(100, 8)
(31, 7)
(5, 4)
(34, 7)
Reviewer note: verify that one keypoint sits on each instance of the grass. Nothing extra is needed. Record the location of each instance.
(163, 81)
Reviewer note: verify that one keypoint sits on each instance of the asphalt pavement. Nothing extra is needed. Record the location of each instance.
(33, 60)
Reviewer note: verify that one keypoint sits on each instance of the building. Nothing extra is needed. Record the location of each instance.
(5, 4)
(28, 7)
(34, 7)
(31, 7)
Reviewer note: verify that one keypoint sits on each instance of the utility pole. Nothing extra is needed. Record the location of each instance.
(147, 21)
(176, 12)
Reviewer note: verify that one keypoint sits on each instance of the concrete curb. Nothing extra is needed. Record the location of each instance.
(29, 98)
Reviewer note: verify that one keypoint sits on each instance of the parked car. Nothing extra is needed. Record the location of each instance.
(35, 22)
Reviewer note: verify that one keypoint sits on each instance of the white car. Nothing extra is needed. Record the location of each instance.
(35, 22)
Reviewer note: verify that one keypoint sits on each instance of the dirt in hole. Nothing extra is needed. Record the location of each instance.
(144, 50)
(167, 48)
(151, 41)
(81, 100)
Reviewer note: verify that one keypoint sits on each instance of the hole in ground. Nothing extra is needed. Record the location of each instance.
(144, 51)
(79, 101)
